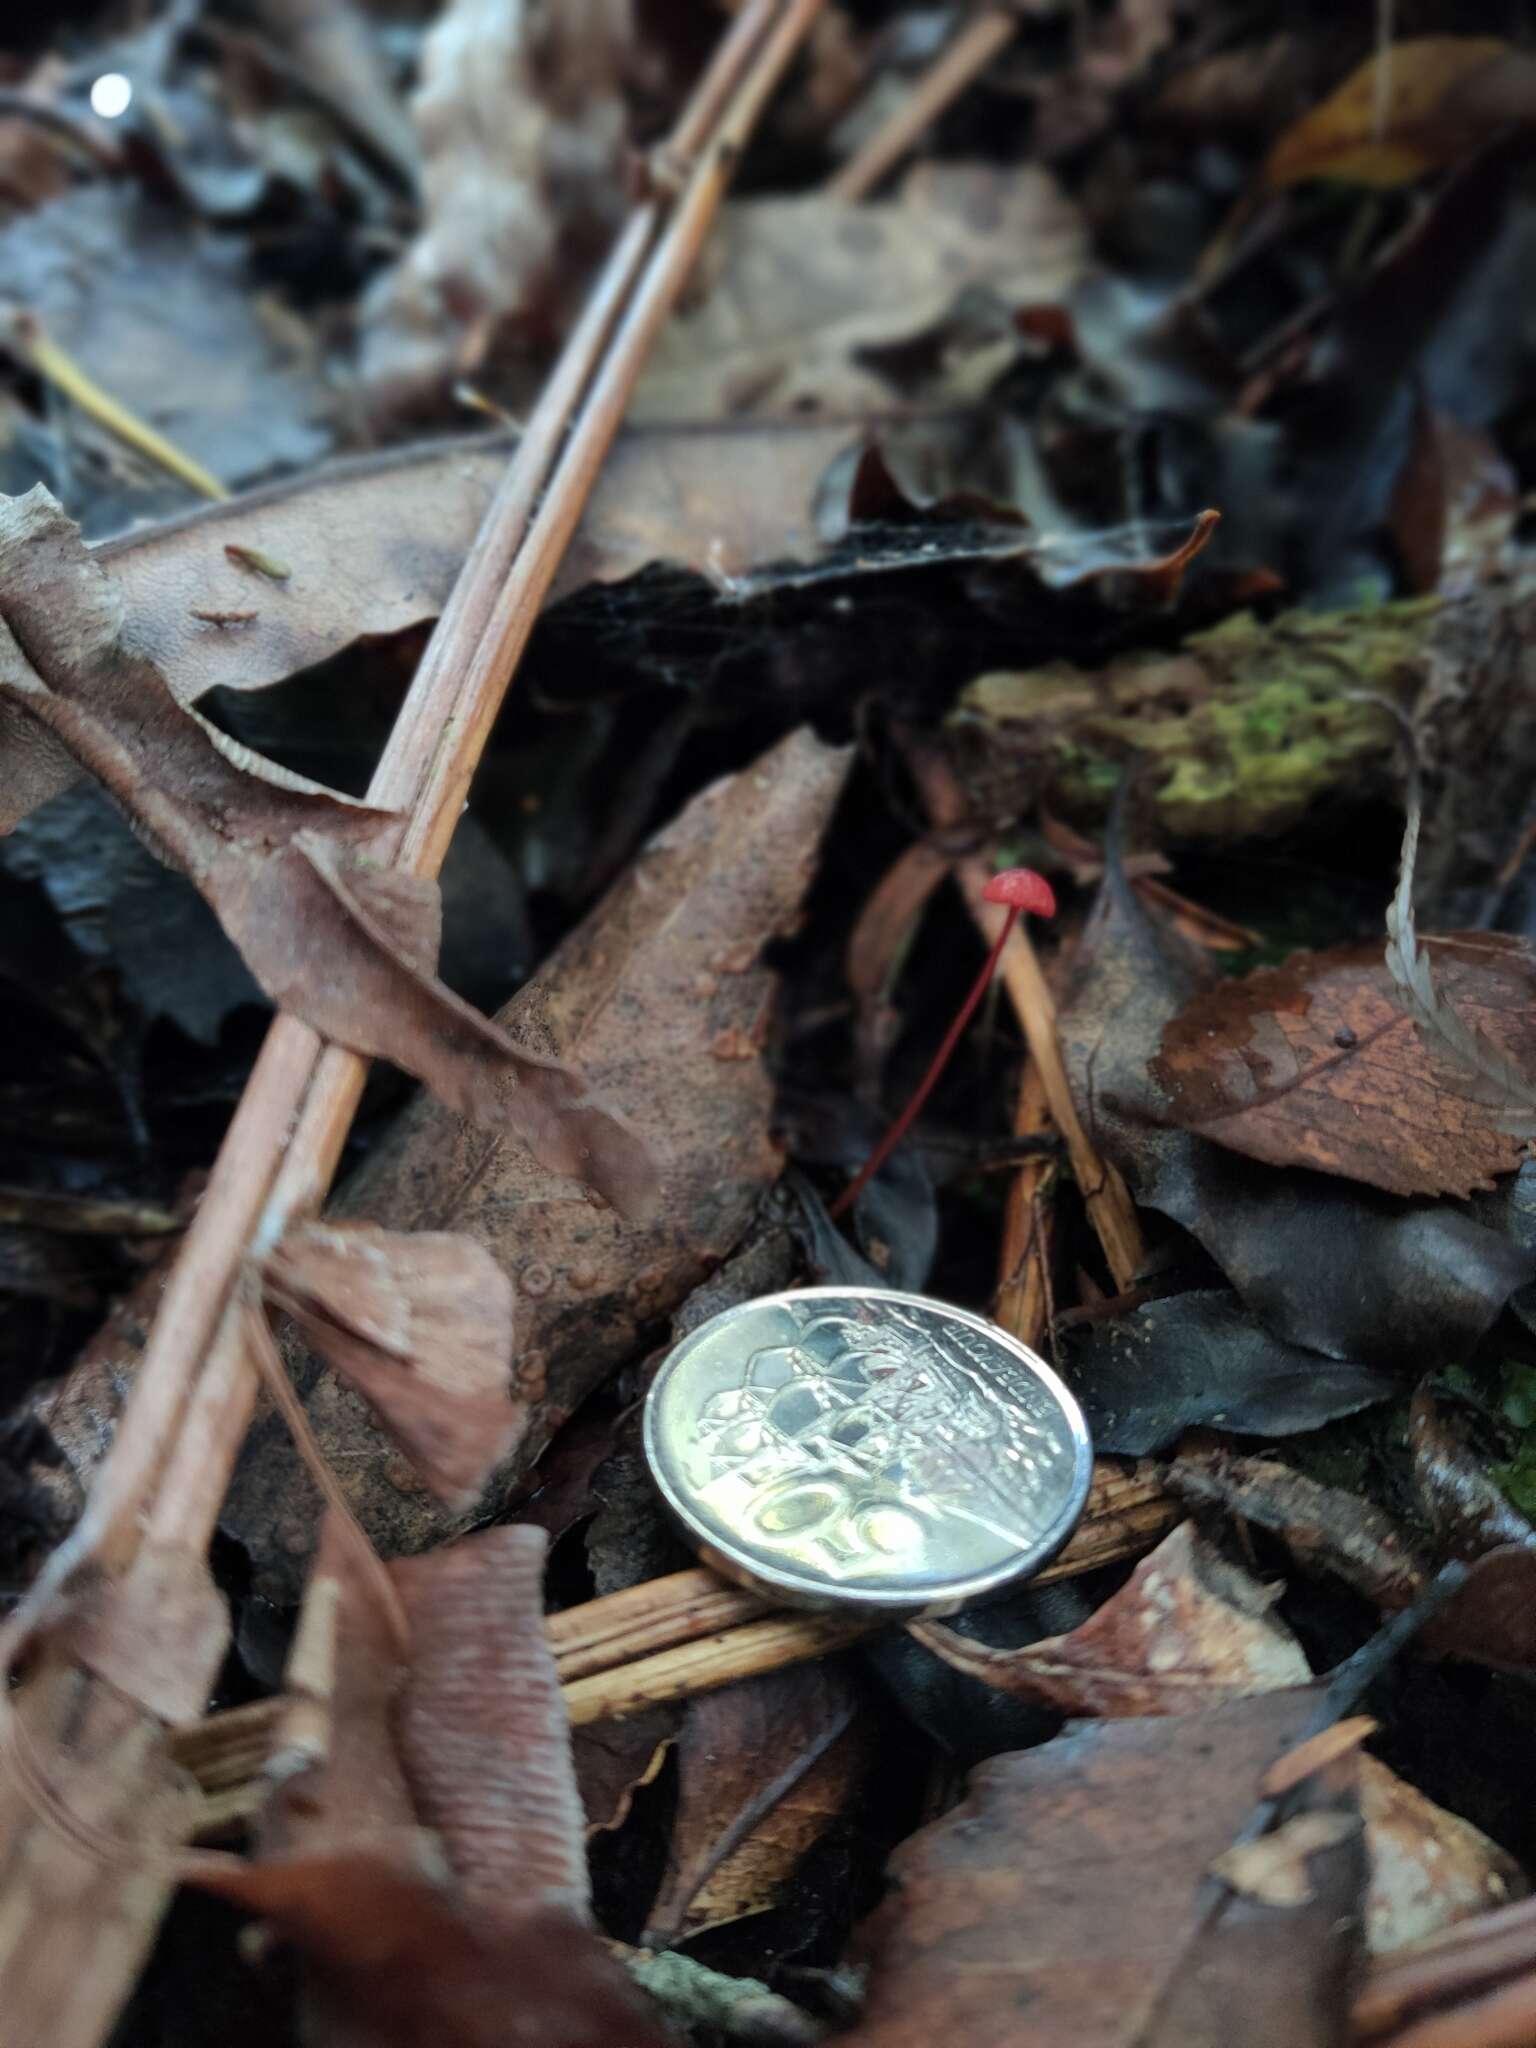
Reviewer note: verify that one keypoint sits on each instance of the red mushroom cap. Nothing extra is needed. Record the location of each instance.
(1022, 889)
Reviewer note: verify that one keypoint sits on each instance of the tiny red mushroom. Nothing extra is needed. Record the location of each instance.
(1019, 889)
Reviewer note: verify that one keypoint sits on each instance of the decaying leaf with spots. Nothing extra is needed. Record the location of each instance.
(1318, 1063)
(297, 876)
(663, 998)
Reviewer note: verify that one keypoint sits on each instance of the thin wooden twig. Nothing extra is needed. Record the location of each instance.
(183, 1424)
(686, 1633)
(1023, 1289)
(984, 37)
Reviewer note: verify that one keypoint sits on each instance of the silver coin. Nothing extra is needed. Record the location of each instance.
(849, 1447)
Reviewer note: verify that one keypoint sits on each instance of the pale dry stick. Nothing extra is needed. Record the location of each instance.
(43, 1875)
(1023, 1294)
(505, 608)
(599, 1634)
(957, 65)
(1105, 1194)
(46, 359)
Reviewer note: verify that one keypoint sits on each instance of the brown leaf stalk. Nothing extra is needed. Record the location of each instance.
(183, 1425)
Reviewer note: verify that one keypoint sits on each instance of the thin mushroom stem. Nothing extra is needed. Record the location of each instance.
(925, 1087)
(1018, 889)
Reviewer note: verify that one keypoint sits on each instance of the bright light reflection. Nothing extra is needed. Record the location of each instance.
(111, 95)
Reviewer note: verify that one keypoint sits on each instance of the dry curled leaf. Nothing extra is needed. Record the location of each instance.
(292, 871)
(461, 1729)
(639, 994)
(1413, 107)
(481, 1725)
(421, 1324)
(1317, 1063)
(1187, 1630)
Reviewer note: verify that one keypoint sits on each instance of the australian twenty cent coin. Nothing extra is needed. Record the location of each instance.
(848, 1447)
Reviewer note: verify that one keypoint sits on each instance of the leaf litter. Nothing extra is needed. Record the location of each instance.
(918, 477)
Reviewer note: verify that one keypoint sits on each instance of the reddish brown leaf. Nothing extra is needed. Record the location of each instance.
(401, 1963)
(328, 935)
(481, 1725)
(1187, 1630)
(1318, 1064)
(1063, 1887)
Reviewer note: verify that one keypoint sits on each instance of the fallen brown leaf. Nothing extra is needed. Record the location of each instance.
(372, 545)
(1064, 1884)
(400, 1962)
(1317, 1063)
(615, 1759)
(290, 869)
(461, 1730)
(1187, 1630)
(640, 994)
(741, 1753)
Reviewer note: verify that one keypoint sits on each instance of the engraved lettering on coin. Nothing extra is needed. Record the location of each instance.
(865, 1441)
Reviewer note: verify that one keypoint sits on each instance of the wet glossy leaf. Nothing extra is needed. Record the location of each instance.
(1146, 1377)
